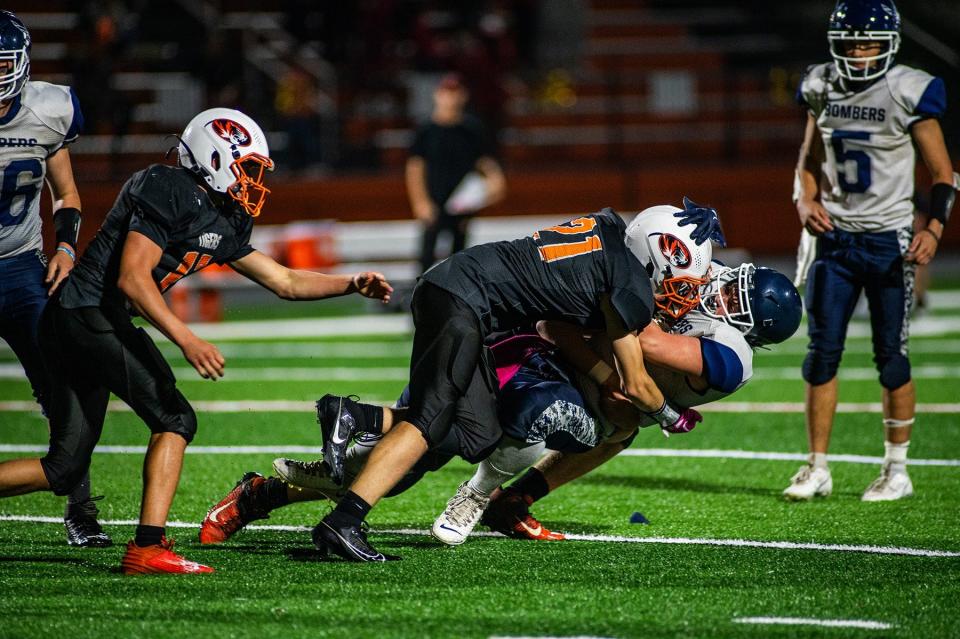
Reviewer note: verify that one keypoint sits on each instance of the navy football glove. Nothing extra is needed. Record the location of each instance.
(706, 221)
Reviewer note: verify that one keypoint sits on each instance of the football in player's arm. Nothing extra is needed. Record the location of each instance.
(39, 121)
(167, 223)
(853, 191)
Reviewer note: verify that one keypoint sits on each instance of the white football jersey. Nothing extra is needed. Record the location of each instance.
(42, 118)
(867, 174)
(674, 386)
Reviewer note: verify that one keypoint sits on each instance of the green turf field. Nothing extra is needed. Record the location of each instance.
(706, 565)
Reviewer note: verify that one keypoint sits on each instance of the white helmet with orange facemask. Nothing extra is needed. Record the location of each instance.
(676, 264)
(229, 151)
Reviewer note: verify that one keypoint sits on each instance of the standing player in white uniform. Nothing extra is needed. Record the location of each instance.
(855, 181)
(704, 357)
(37, 122)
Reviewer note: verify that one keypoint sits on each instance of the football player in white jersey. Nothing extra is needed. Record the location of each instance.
(853, 190)
(38, 121)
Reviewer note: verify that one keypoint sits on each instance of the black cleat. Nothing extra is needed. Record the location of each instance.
(350, 542)
(83, 529)
(339, 419)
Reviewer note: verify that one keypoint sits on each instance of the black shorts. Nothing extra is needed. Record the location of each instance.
(89, 353)
(452, 380)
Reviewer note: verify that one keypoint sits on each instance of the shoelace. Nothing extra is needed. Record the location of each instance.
(460, 506)
(803, 474)
(314, 468)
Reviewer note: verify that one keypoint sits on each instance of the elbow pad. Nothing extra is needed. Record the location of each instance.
(722, 368)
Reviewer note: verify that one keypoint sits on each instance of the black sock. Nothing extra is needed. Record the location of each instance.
(351, 510)
(81, 492)
(149, 535)
(276, 492)
(533, 484)
(372, 418)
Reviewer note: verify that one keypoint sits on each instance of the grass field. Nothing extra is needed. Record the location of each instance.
(722, 552)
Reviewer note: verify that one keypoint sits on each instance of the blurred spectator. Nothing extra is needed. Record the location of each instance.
(298, 105)
(451, 173)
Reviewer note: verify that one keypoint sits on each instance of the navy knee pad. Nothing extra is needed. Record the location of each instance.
(894, 371)
(819, 367)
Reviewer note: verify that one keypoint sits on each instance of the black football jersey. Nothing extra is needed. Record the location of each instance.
(167, 205)
(558, 273)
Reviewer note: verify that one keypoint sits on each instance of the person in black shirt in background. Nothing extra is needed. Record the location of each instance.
(446, 150)
(167, 223)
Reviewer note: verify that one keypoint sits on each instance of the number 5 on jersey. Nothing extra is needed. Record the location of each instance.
(570, 239)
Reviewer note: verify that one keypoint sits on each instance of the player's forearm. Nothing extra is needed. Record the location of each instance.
(307, 285)
(416, 180)
(148, 302)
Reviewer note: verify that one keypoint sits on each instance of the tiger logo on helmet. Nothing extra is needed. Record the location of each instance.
(676, 264)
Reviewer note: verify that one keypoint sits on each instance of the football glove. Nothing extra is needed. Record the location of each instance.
(706, 220)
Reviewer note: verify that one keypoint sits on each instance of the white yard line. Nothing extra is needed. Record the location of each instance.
(808, 621)
(688, 541)
(297, 406)
(289, 449)
(14, 371)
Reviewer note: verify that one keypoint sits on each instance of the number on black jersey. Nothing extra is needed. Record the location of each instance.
(570, 239)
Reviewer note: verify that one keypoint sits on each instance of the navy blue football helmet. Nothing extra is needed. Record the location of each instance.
(760, 302)
(15, 50)
(858, 22)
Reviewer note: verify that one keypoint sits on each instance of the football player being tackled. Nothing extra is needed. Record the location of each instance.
(167, 223)
(677, 284)
(854, 186)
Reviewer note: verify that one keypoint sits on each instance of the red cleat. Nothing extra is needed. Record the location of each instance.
(509, 514)
(233, 512)
(158, 559)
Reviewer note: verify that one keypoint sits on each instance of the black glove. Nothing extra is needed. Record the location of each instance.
(706, 221)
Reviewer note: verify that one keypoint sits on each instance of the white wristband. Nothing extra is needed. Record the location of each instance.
(666, 415)
(600, 372)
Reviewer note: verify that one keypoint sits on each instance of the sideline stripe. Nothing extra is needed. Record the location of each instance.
(630, 452)
(296, 406)
(688, 541)
(807, 621)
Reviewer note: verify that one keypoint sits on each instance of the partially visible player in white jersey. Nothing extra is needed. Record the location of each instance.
(38, 121)
(702, 357)
(853, 191)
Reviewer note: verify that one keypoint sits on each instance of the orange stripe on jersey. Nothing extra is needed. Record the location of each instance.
(554, 252)
(579, 225)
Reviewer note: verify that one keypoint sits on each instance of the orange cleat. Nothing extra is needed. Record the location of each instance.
(158, 559)
(509, 514)
(233, 512)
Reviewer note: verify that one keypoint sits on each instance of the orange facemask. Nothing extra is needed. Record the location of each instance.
(249, 190)
(680, 295)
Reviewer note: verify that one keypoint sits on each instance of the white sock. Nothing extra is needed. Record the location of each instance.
(818, 460)
(356, 457)
(896, 456)
(511, 457)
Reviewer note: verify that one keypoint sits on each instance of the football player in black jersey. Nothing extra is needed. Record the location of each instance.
(167, 223)
(585, 271)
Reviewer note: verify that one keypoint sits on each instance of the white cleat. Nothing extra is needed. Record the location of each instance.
(461, 515)
(889, 486)
(809, 482)
(310, 475)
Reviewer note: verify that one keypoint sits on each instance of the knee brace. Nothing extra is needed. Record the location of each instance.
(894, 371)
(819, 367)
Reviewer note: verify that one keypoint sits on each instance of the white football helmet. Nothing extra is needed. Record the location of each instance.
(229, 151)
(677, 266)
